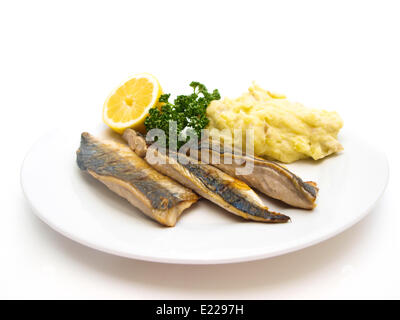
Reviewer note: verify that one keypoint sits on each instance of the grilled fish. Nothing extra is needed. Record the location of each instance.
(268, 177)
(213, 184)
(128, 175)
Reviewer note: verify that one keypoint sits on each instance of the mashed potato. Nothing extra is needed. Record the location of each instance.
(283, 130)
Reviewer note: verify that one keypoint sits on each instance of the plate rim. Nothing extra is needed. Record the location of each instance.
(193, 261)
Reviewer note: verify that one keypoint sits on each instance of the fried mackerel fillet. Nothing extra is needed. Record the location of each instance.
(207, 181)
(128, 175)
(213, 184)
(266, 176)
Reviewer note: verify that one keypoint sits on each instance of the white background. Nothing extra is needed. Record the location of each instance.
(59, 60)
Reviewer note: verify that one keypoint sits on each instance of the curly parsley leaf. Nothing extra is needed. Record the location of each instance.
(188, 111)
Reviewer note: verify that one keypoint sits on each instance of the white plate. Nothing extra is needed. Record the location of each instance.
(83, 209)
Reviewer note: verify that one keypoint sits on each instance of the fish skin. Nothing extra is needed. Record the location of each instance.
(131, 177)
(290, 189)
(213, 184)
(268, 177)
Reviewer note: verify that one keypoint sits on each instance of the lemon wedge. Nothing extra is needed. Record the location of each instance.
(128, 105)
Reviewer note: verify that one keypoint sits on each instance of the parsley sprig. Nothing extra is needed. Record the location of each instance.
(189, 111)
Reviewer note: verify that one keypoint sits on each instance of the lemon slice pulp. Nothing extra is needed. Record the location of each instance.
(129, 104)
